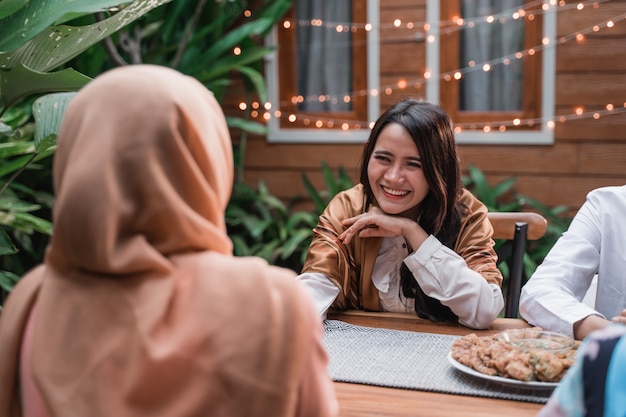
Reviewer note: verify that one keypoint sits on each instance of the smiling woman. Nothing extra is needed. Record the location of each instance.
(408, 237)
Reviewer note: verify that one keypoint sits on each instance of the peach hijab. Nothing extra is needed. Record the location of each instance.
(139, 308)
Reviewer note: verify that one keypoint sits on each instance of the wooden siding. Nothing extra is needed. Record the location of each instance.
(587, 153)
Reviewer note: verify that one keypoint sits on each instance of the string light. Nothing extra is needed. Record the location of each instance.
(451, 26)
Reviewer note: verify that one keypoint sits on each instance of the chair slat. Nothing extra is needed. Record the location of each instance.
(504, 224)
(516, 228)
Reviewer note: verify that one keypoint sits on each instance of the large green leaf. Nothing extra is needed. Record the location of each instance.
(25, 222)
(36, 15)
(210, 70)
(236, 36)
(6, 245)
(48, 112)
(13, 204)
(55, 46)
(13, 165)
(8, 7)
(20, 82)
(247, 125)
(58, 44)
(275, 11)
(9, 149)
(257, 80)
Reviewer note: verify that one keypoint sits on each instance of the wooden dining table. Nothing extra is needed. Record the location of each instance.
(359, 400)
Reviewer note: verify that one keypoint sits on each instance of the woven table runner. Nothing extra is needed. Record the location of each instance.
(409, 360)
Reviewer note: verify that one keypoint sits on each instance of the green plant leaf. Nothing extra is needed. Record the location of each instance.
(329, 178)
(8, 280)
(482, 188)
(257, 80)
(25, 222)
(10, 149)
(8, 7)
(267, 251)
(313, 194)
(14, 204)
(229, 63)
(36, 15)
(274, 11)
(256, 226)
(247, 125)
(240, 248)
(15, 164)
(236, 36)
(48, 113)
(503, 187)
(58, 44)
(306, 219)
(295, 241)
(20, 82)
(6, 245)
(344, 179)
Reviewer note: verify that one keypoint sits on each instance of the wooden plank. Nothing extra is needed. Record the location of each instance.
(412, 23)
(607, 128)
(554, 190)
(403, 58)
(592, 55)
(600, 158)
(416, 88)
(263, 155)
(589, 89)
(521, 159)
(287, 184)
(402, 4)
(571, 20)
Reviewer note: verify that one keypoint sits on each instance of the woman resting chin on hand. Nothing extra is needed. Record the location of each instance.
(408, 237)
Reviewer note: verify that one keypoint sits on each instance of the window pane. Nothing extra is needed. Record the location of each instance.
(324, 54)
(490, 52)
(322, 65)
(500, 88)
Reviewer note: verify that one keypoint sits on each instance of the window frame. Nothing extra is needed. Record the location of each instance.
(282, 87)
(541, 132)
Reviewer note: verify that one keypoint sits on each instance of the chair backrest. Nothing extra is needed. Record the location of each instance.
(515, 228)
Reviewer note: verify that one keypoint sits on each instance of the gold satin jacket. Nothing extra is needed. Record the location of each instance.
(350, 266)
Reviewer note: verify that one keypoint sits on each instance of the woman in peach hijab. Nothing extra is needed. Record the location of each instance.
(140, 308)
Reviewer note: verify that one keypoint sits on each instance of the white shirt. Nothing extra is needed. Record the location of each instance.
(595, 242)
(440, 272)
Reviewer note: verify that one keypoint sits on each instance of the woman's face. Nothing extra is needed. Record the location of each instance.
(395, 172)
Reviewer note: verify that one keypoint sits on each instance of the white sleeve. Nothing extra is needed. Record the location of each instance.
(321, 289)
(443, 274)
(552, 297)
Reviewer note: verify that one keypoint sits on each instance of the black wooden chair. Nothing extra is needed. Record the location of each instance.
(515, 228)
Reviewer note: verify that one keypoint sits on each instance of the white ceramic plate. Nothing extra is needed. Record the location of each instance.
(499, 379)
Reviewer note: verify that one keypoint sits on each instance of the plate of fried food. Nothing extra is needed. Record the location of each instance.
(531, 358)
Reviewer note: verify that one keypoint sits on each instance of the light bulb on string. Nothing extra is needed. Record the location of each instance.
(458, 74)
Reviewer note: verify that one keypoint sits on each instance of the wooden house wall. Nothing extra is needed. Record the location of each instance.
(587, 153)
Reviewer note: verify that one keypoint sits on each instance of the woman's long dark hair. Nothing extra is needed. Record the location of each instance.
(431, 129)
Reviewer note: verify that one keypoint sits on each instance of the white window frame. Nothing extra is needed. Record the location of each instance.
(543, 136)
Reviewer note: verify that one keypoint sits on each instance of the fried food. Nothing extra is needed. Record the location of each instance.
(493, 356)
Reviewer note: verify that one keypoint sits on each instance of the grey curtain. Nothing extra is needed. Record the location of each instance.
(324, 55)
(501, 88)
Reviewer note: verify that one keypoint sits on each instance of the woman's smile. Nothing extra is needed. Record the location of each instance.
(394, 193)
